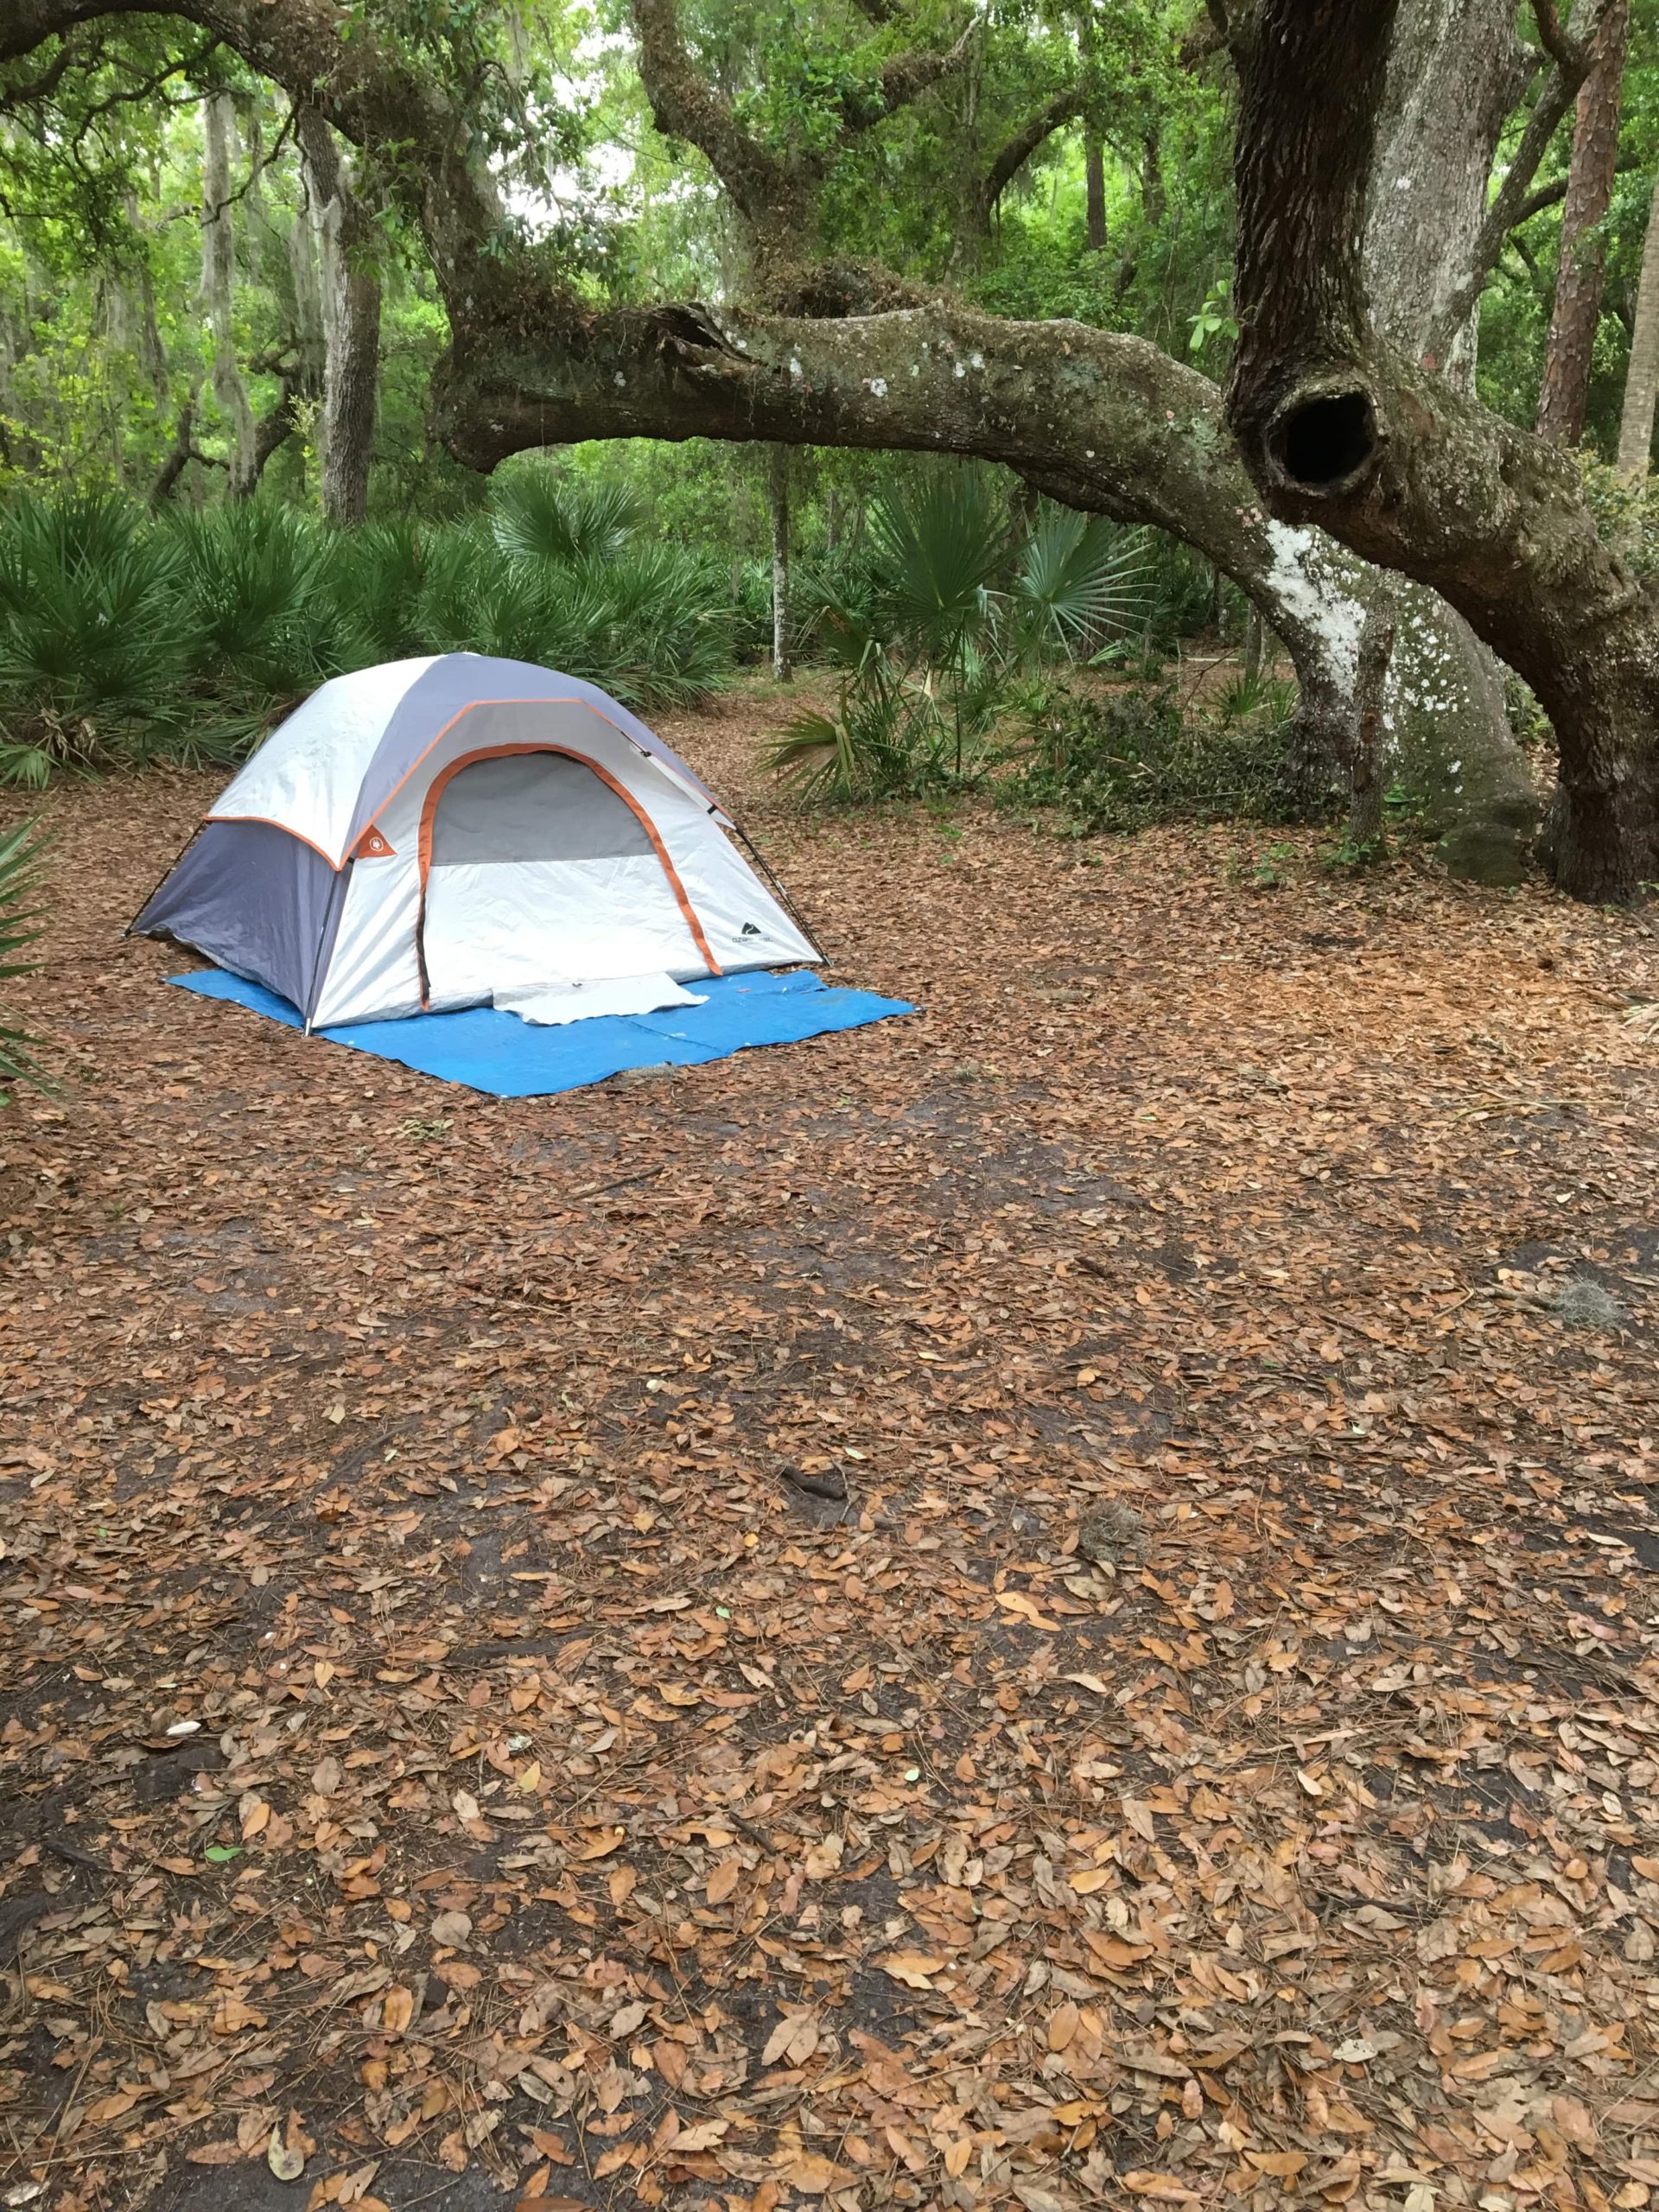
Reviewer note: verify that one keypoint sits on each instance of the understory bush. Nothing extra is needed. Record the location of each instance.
(940, 626)
(123, 634)
(1124, 759)
(20, 850)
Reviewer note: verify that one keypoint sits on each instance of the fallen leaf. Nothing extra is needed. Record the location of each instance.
(285, 2160)
(913, 1969)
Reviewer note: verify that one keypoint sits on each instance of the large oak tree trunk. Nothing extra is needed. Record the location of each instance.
(1566, 388)
(1342, 429)
(1642, 374)
(1456, 70)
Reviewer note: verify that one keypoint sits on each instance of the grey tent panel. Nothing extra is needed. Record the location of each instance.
(532, 806)
(254, 899)
(457, 682)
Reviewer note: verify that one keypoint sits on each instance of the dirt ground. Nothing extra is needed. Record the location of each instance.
(456, 1756)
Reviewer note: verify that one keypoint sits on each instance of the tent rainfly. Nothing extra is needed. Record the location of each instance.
(461, 831)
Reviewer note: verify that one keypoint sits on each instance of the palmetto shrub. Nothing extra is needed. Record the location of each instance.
(92, 633)
(940, 626)
(122, 635)
(21, 849)
(538, 516)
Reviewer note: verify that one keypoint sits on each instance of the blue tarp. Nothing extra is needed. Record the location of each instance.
(493, 1050)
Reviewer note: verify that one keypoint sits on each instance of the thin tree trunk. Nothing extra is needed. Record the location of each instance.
(180, 454)
(351, 324)
(1154, 198)
(308, 292)
(1093, 149)
(1094, 176)
(1366, 776)
(1254, 638)
(1566, 389)
(1641, 376)
(219, 286)
(152, 352)
(777, 501)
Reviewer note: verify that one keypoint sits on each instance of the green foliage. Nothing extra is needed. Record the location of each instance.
(1078, 580)
(1260, 693)
(934, 559)
(21, 852)
(871, 745)
(1215, 319)
(258, 607)
(122, 635)
(377, 578)
(1124, 759)
(895, 733)
(939, 625)
(541, 515)
(1626, 511)
(649, 625)
(90, 633)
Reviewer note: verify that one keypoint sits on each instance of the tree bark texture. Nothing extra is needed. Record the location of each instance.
(1341, 429)
(219, 287)
(1455, 71)
(305, 275)
(1642, 374)
(179, 455)
(1366, 770)
(778, 503)
(1094, 183)
(350, 303)
(1571, 347)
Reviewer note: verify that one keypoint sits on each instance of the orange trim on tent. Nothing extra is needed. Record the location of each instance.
(372, 846)
(434, 792)
(272, 823)
(564, 699)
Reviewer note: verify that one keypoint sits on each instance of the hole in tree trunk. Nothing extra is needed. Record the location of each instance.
(1325, 441)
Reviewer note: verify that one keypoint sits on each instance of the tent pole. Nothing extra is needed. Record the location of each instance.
(165, 873)
(784, 899)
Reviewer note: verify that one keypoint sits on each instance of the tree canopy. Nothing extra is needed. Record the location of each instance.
(362, 254)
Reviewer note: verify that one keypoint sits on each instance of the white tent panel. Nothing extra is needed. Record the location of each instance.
(307, 775)
(520, 925)
(374, 973)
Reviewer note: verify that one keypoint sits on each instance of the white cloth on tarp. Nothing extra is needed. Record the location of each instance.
(552, 1003)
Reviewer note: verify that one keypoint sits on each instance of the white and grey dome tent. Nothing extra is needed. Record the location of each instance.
(461, 830)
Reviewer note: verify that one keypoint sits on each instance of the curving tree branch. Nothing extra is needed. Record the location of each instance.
(775, 193)
(684, 104)
(903, 79)
(1017, 149)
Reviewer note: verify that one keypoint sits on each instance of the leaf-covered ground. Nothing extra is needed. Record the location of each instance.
(455, 1755)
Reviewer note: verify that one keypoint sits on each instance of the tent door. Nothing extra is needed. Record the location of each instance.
(537, 870)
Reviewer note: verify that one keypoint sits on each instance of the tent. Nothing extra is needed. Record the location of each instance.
(461, 831)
